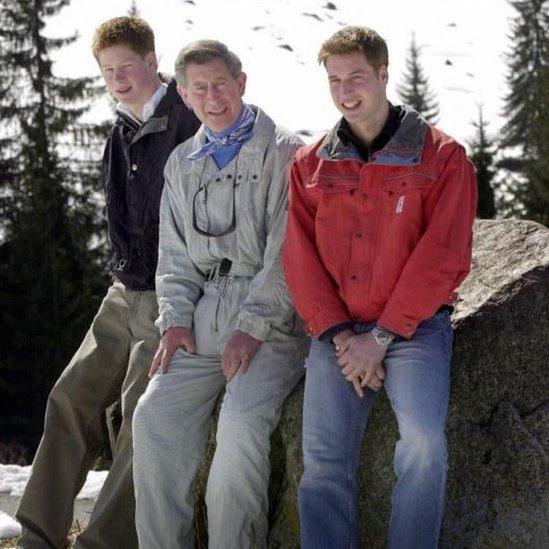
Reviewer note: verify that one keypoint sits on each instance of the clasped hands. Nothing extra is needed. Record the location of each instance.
(238, 353)
(360, 358)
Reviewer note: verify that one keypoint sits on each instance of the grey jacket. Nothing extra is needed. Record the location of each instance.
(255, 184)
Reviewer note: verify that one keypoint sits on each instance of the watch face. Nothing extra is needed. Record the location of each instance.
(382, 337)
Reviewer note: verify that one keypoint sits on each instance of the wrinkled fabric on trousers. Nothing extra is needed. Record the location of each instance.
(417, 384)
(112, 362)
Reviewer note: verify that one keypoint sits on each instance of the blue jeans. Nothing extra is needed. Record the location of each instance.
(334, 419)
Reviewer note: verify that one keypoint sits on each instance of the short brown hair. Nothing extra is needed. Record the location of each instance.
(128, 31)
(353, 38)
(203, 51)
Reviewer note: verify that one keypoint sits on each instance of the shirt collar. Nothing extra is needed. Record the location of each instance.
(148, 108)
(345, 133)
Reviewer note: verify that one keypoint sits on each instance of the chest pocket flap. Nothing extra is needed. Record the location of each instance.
(408, 181)
(332, 184)
(403, 193)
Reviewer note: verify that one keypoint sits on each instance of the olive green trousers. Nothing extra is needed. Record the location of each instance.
(111, 364)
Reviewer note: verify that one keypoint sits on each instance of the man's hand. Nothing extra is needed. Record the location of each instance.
(173, 338)
(338, 341)
(341, 337)
(238, 353)
(360, 358)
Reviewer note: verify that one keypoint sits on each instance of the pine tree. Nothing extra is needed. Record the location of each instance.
(526, 132)
(415, 90)
(51, 271)
(482, 155)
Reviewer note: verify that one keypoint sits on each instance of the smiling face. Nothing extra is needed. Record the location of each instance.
(213, 93)
(357, 89)
(130, 77)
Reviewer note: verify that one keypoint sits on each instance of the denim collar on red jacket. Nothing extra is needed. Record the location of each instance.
(405, 148)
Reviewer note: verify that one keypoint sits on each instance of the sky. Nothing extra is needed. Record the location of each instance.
(463, 46)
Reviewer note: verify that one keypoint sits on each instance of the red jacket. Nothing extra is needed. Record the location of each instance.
(387, 240)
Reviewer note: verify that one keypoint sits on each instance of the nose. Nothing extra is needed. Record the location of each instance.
(213, 92)
(119, 75)
(345, 88)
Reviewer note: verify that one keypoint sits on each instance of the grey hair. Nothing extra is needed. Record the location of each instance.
(203, 51)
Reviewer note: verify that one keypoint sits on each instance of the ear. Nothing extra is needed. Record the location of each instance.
(383, 74)
(183, 94)
(150, 59)
(241, 79)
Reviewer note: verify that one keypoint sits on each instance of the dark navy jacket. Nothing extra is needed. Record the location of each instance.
(133, 178)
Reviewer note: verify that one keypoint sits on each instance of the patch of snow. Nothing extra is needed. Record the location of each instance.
(93, 485)
(13, 479)
(9, 528)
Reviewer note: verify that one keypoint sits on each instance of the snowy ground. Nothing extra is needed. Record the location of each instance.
(13, 479)
(9, 528)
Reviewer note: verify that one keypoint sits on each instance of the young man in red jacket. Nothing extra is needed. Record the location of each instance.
(378, 239)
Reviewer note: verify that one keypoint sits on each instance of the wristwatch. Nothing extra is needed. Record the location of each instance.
(382, 336)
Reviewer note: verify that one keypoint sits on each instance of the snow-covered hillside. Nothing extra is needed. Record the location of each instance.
(463, 46)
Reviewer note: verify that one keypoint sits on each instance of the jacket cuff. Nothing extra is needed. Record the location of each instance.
(328, 335)
(398, 324)
(165, 322)
(326, 318)
(253, 325)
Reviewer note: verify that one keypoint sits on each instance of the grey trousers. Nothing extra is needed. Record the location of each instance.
(171, 428)
(111, 363)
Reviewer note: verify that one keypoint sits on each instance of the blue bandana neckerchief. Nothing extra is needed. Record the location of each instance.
(239, 131)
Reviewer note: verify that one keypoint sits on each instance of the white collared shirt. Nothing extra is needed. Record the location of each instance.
(148, 108)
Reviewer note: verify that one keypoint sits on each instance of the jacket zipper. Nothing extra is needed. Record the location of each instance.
(222, 293)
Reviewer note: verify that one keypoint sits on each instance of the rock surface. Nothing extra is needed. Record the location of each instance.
(498, 423)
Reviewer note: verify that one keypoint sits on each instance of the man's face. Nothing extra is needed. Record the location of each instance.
(129, 77)
(357, 90)
(213, 93)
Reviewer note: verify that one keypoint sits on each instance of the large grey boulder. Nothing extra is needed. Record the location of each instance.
(498, 427)
(498, 423)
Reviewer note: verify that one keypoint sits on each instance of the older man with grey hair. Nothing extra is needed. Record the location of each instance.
(226, 317)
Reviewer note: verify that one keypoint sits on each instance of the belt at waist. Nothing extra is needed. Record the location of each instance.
(226, 267)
